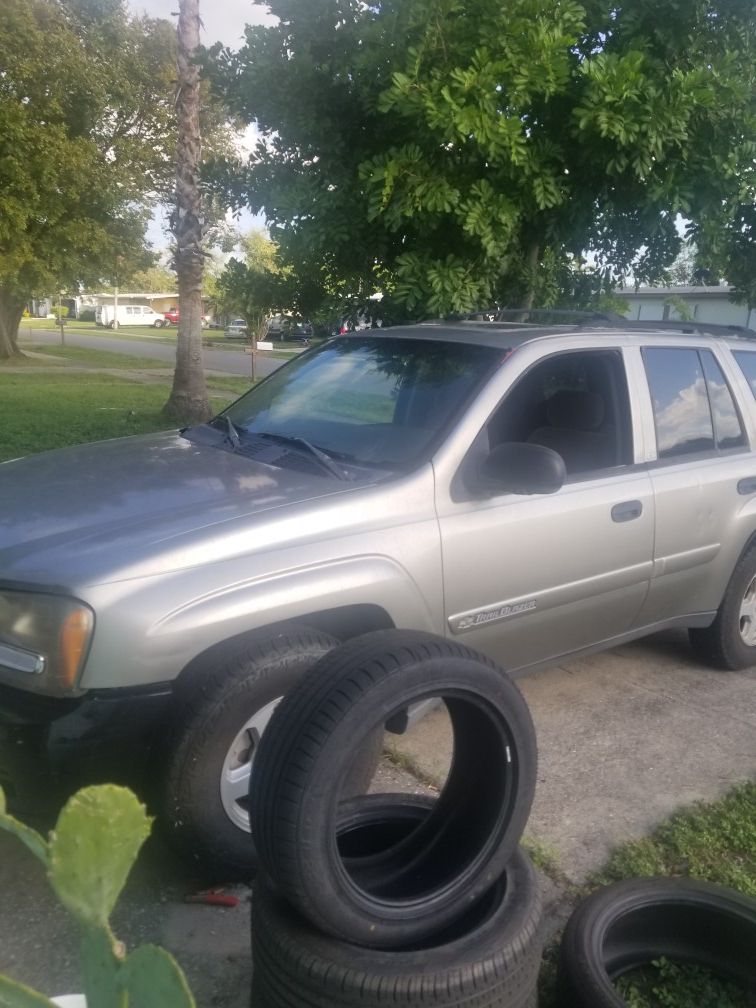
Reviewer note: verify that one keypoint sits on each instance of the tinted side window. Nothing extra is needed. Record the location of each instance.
(728, 429)
(680, 401)
(575, 403)
(747, 361)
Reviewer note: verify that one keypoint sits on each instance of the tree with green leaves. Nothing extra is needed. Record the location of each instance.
(255, 285)
(734, 248)
(154, 280)
(454, 153)
(85, 102)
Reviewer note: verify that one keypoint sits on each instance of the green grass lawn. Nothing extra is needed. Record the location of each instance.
(65, 355)
(707, 841)
(29, 326)
(43, 411)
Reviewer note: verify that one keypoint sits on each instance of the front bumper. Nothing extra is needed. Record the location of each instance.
(50, 747)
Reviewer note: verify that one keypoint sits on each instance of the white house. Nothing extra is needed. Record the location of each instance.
(705, 304)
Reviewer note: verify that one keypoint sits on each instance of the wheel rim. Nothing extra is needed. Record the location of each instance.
(237, 766)
(748, 615)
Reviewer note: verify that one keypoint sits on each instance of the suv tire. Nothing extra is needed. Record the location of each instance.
(423, 884)
(490, 956)
(216, 728)
(730, 642)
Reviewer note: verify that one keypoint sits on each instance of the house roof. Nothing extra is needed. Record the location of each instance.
(722, 290)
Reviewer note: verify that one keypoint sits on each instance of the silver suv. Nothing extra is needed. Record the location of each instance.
(535, 492)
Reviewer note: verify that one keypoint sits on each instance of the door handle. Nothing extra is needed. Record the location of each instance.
(747, 486)
(627, 511)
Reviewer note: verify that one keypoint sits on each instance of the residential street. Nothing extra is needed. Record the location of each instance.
(234, 362)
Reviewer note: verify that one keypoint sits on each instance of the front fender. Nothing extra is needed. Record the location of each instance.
(289, 595)
(138, 645)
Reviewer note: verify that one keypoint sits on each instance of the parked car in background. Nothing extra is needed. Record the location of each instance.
(287, 327)
(127, 315)
(238, 329)
(173, 317)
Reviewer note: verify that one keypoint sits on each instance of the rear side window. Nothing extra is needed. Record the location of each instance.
(747, 361)
(693, 407)
(728, 429)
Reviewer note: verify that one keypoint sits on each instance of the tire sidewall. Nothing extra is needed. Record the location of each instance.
(202, 739)
(740, 655)
(517, 914)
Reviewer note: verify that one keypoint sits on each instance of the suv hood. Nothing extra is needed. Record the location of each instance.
(79, 515)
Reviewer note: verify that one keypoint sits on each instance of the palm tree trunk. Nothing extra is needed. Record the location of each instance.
(188, 402)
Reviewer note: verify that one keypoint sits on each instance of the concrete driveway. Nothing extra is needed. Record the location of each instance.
(624, 738)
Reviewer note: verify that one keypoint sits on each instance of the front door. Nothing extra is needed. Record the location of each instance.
(530, 578)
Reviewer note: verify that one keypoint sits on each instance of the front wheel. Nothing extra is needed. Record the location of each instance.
(209, 756)
(157, 324)
(730, 642)
(113, 325)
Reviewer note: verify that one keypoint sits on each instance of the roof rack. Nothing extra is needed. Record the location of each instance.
(707, 328)
(538, 316)
(604, 319)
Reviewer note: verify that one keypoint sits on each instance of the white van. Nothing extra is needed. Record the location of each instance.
(127, 315)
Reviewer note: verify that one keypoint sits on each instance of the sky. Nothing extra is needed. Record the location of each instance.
(223, 21)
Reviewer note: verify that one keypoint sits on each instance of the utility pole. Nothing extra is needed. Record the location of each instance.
(61, 321)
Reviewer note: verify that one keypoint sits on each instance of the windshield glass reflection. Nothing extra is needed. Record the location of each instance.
(374, 401)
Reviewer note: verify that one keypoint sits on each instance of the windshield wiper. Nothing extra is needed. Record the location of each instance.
(232, 434)
(299, 442)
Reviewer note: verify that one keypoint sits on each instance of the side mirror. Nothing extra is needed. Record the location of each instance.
(521, 468)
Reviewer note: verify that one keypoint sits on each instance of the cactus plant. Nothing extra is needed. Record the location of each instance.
(87, 858)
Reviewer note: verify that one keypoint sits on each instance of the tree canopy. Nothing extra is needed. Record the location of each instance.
(87, 145)
(84, 95)
(452, 153)
(253, 285)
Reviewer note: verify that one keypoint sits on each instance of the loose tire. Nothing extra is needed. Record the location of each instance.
(205, 776)
(447, 863)
(730, 642)
(489, 957)
(632, 923)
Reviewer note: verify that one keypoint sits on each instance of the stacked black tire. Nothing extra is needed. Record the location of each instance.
(395, 899)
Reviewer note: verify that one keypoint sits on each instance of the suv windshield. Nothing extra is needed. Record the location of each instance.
(371, 400)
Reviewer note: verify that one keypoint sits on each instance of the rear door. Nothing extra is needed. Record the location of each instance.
(529, 578)
(703, 477)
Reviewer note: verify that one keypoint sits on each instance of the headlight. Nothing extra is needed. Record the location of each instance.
(44, 640)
